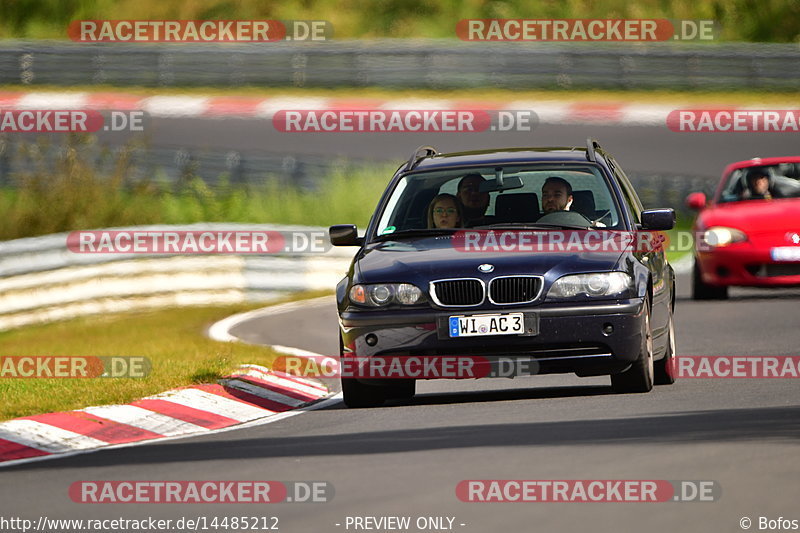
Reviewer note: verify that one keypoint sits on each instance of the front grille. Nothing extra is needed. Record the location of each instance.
(458, 292)
(780, 269)
(514, 289)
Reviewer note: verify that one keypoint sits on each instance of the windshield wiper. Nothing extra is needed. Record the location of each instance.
(422, 232)
(530, 225)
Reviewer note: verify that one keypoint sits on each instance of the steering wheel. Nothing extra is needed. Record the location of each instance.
(567, 218)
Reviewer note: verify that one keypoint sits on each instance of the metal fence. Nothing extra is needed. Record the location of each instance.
(429, 64)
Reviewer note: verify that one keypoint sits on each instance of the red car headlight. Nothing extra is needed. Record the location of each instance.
(719, 236)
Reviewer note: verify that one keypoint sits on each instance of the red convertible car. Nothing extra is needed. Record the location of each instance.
(749, 233)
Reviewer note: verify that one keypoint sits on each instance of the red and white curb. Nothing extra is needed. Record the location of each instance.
(252, 396)
(548, 111)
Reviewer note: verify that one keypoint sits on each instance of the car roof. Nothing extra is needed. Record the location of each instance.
(760, 161)
(503, 156)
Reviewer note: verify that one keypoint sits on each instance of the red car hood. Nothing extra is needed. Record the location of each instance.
(754, 216)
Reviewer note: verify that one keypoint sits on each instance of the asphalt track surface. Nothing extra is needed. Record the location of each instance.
(639, 148)
(406, 459)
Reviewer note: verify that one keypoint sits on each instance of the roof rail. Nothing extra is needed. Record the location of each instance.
(416, 158)
(591, 146)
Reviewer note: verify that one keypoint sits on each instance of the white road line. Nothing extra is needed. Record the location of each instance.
(213, 403)
(175, 106)
(220, 331)
(264, 373)
(650, 115)
(292, 385)
(548, 111)
(46, 437)
(53, 101)
(270, 106)
(262, 392)
(145, 419)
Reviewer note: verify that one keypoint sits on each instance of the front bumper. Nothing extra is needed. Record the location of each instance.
(746, 268)
(563, 338)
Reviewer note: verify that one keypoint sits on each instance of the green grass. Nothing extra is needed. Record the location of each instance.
(684, 225)
(740, 20)
(172, 339)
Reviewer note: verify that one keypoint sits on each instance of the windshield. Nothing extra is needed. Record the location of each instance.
(762, 182)
(546, 195)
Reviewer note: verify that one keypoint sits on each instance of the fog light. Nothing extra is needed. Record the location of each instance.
(372, 339)
(608, 329)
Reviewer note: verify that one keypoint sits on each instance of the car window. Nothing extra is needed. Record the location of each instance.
(784, 182)
(410, 203)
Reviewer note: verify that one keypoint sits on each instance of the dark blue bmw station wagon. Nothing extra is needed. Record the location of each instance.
(524, 255)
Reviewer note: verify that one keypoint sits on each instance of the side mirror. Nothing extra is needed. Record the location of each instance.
(696, 201)
(658, 219)
(344, 235)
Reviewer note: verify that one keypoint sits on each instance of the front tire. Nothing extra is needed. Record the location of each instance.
(357, 394)
(702, 290)
(401, 389)
(639, 377)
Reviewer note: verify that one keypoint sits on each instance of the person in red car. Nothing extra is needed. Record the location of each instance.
(758, 186)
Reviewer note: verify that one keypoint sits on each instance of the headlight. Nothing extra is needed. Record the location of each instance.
(407, 294)
(600, 284)
(717, 236)
(382, 294)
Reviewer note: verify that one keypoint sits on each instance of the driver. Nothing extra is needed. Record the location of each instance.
(556, 195)
(757, 185)
(473, 202)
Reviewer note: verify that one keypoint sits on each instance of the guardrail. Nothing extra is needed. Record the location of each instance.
(429, 64)
(41, 280)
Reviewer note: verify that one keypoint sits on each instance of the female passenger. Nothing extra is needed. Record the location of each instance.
(445, 211)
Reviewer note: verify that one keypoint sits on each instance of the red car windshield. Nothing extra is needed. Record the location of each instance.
(762, 182)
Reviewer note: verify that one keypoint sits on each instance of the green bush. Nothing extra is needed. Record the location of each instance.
(740, 20)
(75, 195)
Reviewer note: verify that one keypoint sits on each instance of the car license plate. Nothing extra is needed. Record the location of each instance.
(786, 253)
(478, 325)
